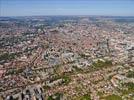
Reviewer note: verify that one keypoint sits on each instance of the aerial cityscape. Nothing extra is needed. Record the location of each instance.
(66, 57)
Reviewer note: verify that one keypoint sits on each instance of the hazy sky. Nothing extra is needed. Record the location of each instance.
(66, 7)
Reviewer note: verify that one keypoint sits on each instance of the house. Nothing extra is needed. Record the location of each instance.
(67, 57)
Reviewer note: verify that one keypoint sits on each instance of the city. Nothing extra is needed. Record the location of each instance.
(66, 58)
(66, 49)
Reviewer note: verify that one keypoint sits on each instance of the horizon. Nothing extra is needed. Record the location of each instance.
(11, 8)
(69, 16)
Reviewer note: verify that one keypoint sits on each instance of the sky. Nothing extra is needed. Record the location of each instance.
(66, 7)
